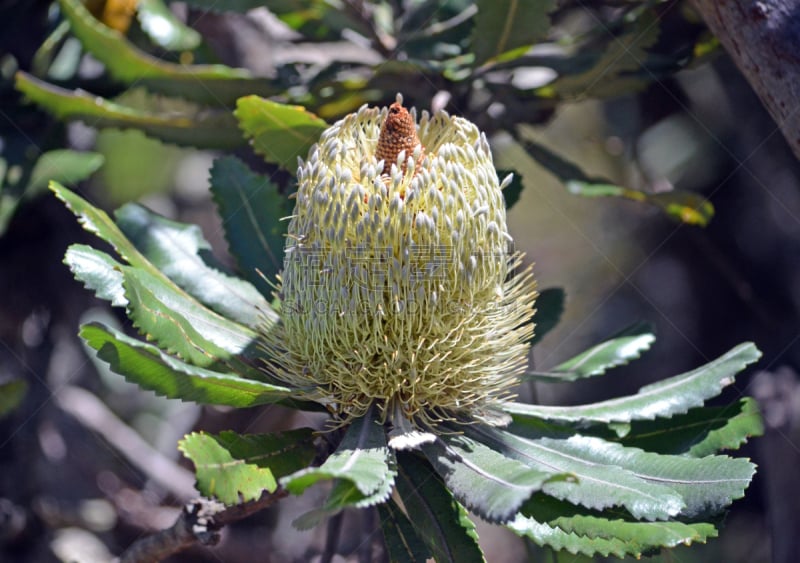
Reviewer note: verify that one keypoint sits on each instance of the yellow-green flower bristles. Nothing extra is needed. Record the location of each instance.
(397, 287)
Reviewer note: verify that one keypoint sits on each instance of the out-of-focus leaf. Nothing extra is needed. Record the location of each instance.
(513, 190)
(609, 69)
(65, 166)
(674, 395)
(700, 432)
(97, 271)
(11, 395)
(485, 481)
(152, 369)
(251, 210)
(202, 129)
(163, 28)
(549, 308)
(504, 29)
(181, 252)
(362, 458)
(278, 132)
(438, 519)
(235, 468)
(402, 542)
(618, 350)
(683, 206)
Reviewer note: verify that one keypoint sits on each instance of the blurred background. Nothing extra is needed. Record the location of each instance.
(651, 184)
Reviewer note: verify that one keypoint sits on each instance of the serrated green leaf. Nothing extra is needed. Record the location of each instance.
(11, 395)
(203, 83)
(180, 251)
(152, 369)
(506, 28)
(97, 271)
(362, 458)
(706, 485)
(163, 28)
(682, 206)
(665, 398)
(251, 210)
(401, 541)
(549, 308)
(182, 326)
(204, 129)
(236, 468)
(485, 481)
(280, 133)
(700, 432)
(557, 539)
(595, 485)
(438, 519)
(618, 350)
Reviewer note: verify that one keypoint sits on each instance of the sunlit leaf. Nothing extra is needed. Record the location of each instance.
(618, 350)
(163, 28)
(674, 395)
(280, 133)
(152, 369)
(98, 271)
(236, 468)
(482, 479)
(203, 129)
(182, 254)
(65, 166)
(699, 432)
(213, 84)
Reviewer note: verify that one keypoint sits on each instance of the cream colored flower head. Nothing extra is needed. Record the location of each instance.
(398, 287)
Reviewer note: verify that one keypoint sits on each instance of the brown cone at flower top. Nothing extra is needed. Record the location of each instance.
(398, 133)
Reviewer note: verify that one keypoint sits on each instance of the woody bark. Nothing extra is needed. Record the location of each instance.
(763, 39)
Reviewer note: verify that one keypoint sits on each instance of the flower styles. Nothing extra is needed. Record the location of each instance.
(398, 286)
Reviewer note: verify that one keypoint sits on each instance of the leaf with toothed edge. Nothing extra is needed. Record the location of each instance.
(182, 254)
(362, 458)
(436, 517)
(594, 485)
(233, 467)
(675, 395)
(485, 481)
(618, 350)
(98, 272)
(152, 369)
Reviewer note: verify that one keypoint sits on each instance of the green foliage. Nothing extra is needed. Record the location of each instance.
(236, 468)
(279, 133)
(251, 210)
(505, 29)
(11, 395)
(624, 477)
(617, 351)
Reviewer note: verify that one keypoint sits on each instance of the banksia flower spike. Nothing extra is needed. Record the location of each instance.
(399, 284)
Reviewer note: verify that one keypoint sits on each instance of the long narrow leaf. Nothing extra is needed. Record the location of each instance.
(596, 485)
(436, 516)
(402, 542)
(152, 369)
(362, 458)
(618, 350)
(665, 398)
(485, 481)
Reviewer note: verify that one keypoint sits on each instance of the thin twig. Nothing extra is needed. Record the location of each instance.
(199, 523)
